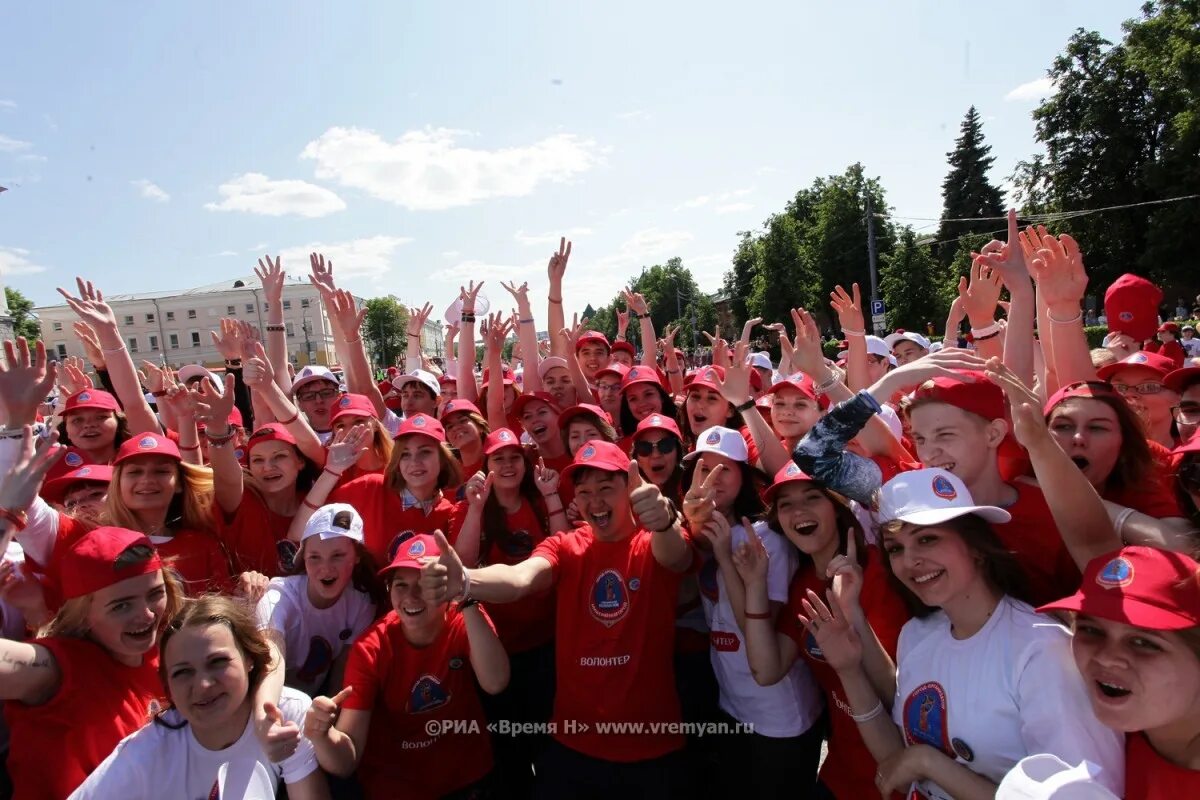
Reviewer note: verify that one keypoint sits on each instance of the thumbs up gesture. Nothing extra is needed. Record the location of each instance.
(442, 577)
(323, 713)
(278, 737)
(652, 510)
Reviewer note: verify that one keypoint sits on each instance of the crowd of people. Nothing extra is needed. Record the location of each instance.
(916, 570)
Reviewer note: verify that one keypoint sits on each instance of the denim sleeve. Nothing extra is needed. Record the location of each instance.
(822, 452)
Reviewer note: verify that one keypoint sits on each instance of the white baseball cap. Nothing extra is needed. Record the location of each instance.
(875, 347)
(930, 497)
(193, 371)
(1048, 777)
(425, 377)
(912, 336)
(722, 441)
(333, 520)
(759, 361)
(549, 363)
(310, 373)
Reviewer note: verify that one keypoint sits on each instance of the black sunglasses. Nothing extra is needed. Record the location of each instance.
(664, 446)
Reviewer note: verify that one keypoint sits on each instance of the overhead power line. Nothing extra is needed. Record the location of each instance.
(1053, 216)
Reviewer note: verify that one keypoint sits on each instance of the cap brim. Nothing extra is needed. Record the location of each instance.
(325, 535)
(936, 516)
(571, 469)
(1117, 607)
(400, 565)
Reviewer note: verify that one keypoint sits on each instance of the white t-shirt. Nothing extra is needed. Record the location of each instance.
(314, 637)
(787, 708)
(163, 760)
(1009, 691)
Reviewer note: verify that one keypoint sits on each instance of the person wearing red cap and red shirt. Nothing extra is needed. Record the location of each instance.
(622, 353)
(503, 517)
(93, 678)
(615, 580)
(657, 446)
(1136, 621)
(1166, 342)
(539, 419)
(608, 388)
(80, 492)
(404, 500)
(582, 423)
(410, 720)
(643, 394)
(829, 540)
(592, 353)
(466, 430)
(1140, 379)
(92, 421)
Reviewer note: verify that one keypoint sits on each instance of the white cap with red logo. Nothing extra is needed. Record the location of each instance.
(930, 497)
(722, 441)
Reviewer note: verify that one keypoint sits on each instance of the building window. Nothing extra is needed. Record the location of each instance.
(290, 330)
(249, 308)
(230, 310)
(129, 319)
(173, 338)
(170, 316)
(153, 342)
(132, 344)
(191, 313)
(61, 349)
(195, 338)
(287, 305)
(266, 306)
(58, 326)
(304, 302)
(150, 318)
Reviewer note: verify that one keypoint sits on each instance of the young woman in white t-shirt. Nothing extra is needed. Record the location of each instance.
(213, 659)
(982, 680)
(315, 616)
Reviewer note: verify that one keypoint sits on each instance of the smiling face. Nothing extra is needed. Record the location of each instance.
(608, 389)
(92, 429)
(1137, 679)
(808, 519)
(955, 440)
(657, 467)
(415, 398)
(275, 466)
(329, 565)
(727, 484)
(907, 351)
(580, 431)
(705, 408)
(462, 431)
(315, 399)
(557, 382)
(421, 622)
(148, 483)
(85, 500)
(419, 463)
(508, 465)
(1088, 431)
(644, 399)
(793, 413)
(602, 499)
(540, 422)
(125, 618)
(932, 562)
(208, 675)
(591, 357)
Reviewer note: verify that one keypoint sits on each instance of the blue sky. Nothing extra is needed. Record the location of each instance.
(156, 146)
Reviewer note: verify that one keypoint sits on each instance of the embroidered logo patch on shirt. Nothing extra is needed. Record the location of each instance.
(427, 694)
(609, 601)
(926, 718)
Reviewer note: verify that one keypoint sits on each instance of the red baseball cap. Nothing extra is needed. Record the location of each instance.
(270, 432)
(597, 454)
(1131, 306)
(91, 398)
(422, 425)
(500, 439)
(624, 346)
(798, 381)
(1079, 389)
(1180, 379)
(613, 368)
(506, 375)
(980, 397)
(1169, 327)
(641, 374)
(580, 410)
(592, 337)
(533, 397)
(90, 564)
(707, 377)
(788, 473)
(393, 371)
(72, 458)
(1140, 586)
(147, 444)
(444, 379)
(413, 552)
(53, 491)
(657, 422)
(1155, 362)
(457, 406)
(353, 405)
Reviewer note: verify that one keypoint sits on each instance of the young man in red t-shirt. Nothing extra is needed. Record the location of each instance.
(616, 712)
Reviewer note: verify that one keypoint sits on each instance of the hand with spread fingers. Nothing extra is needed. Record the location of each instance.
(26, 379)
(271, 275)
(833, 631)
(848, 307)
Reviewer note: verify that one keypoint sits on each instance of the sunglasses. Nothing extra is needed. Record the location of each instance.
(663, 446)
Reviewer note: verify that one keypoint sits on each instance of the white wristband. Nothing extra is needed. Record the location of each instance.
(465, 593)
(979, 333)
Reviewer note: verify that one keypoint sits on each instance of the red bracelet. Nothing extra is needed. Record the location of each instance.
(309, 505)
(190, 449)
(18, 519)
(290, 420)
(751, 615)
(331, 472)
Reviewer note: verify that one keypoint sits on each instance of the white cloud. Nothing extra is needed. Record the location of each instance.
(32, 158)
(8, 145)
(15, 261)
(733, 208)
(151, 191)
(226, 253)
(1033, 90)
(257, 194)
(259, 248)
(551, 238)
(7, 105)
(475, 270)
(721, 199)
(357, 258)
(428, 170)
(653, 241)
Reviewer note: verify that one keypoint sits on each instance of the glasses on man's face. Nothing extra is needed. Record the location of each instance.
(319, 394)
(1149, 387)
(608, 387)
(663, 446)
(1187, 413)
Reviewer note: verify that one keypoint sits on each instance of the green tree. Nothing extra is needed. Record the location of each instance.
(20, 308)
(915, 287)
(784, 279)
(385, 329)
(739, 279)
(966, 191)
(659, 285)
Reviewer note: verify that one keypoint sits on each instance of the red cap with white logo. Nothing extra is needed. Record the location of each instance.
(500, 439)
(147, 444)
(422, 425)
(91, 399)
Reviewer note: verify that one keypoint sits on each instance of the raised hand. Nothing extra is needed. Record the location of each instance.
(558, 261)
(90, 306)
(720, 348)
(73, 377)
(650, 508)
(346, 314)
(980, 294)
(700, 501)
(622, 322)
(636, 302)
(442, 577)
(25, 381)
(346, 447)
(21, 589)
(91, 344)
(277, 736)
(213, 407)
(1057, 269)
(545, 478)
(478, 489)
(248, 336)
(469, 294)
(256, 370)
(667, 342)
(272, 276)
(735, 386)
(323, 713)
(182, 402)
(945, 363)
(1008, 259)
(829, 625)
(848, 308)
(417, 319)
(750, 558)
(847, 578)
(227, 339)
(498, 329)
(807, 353)
(719, 536)
(251, 586)
(20, 486)
(520, 295)
(321, 272)
(153, 377)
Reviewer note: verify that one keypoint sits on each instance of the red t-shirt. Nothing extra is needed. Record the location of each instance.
(1149, 776)
(256, 537)
(849, 769)
(1156, 497)
(751, 447)
(614, 637)
(100, 701)
(1034, 538)
(529, 622)
(406, 688)
(386, 522)
(199, 559)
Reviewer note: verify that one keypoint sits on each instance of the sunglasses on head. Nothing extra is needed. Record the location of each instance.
(663, 446)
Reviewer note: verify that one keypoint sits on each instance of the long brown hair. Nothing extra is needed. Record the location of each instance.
(191, 507)
(449, 469)
(1135, 462)
(216, 609)
(847, 525)
(71, 621)
(495, 518)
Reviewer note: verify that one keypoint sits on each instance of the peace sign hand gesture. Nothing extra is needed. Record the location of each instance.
(700, 501)
(847, 578)
(558, 261)
(416, 320)
(469, 294)
(520, 294)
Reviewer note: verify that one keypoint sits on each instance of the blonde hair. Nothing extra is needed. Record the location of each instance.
(71, 621)
(449, 470)
(192, 505)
